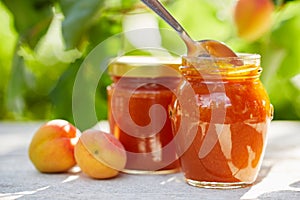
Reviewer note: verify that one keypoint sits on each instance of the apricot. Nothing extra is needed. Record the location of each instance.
(100, 155)
(52, 147)
(253, 18)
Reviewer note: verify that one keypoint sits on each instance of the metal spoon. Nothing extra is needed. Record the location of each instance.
(194, 48)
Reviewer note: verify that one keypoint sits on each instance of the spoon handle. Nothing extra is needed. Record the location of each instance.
(159, 9)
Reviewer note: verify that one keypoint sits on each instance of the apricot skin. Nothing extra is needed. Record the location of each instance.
(51, 149)
(99, 155)
(253, 18)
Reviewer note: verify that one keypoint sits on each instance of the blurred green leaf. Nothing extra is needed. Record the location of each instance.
(282, 2)
(103, 29)
(61, 94)
(289, 31)
(16, 88)
(79, 16)
(281, 62)
(201, 19)
(31, 18)
(7, 41)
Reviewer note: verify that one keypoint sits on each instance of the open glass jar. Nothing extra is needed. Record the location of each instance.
(220, 118)
(138, 103)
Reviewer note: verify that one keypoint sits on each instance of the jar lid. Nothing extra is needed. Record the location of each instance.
(145, 66)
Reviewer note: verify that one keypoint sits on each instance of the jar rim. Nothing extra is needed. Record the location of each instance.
(144, 66)
(245, 65)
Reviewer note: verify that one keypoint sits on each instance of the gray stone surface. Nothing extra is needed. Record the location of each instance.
(279, 177)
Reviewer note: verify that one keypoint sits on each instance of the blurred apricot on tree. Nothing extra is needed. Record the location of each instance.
(253, 18)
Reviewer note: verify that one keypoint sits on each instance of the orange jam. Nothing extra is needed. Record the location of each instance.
(138, 103)
(220, 118)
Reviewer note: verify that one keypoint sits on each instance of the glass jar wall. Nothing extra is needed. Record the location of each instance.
(138, 103)
(220, 117)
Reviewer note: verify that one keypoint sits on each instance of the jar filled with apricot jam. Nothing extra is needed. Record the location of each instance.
(138, 101)
(220, 117)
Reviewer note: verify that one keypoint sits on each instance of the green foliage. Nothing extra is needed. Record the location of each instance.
(31, 18)
(45, 42)
(284, 46)
(78, 17)
(53, 38)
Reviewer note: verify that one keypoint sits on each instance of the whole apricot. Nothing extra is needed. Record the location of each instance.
(52, 148)
(100, 155)
(253, 18)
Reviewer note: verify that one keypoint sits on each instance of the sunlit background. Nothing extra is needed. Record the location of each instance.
(44, 42)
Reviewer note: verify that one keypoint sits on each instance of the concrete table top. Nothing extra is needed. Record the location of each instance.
(279, 177)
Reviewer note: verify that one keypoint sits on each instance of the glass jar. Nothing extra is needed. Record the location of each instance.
(220, 118)
(138, 103)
